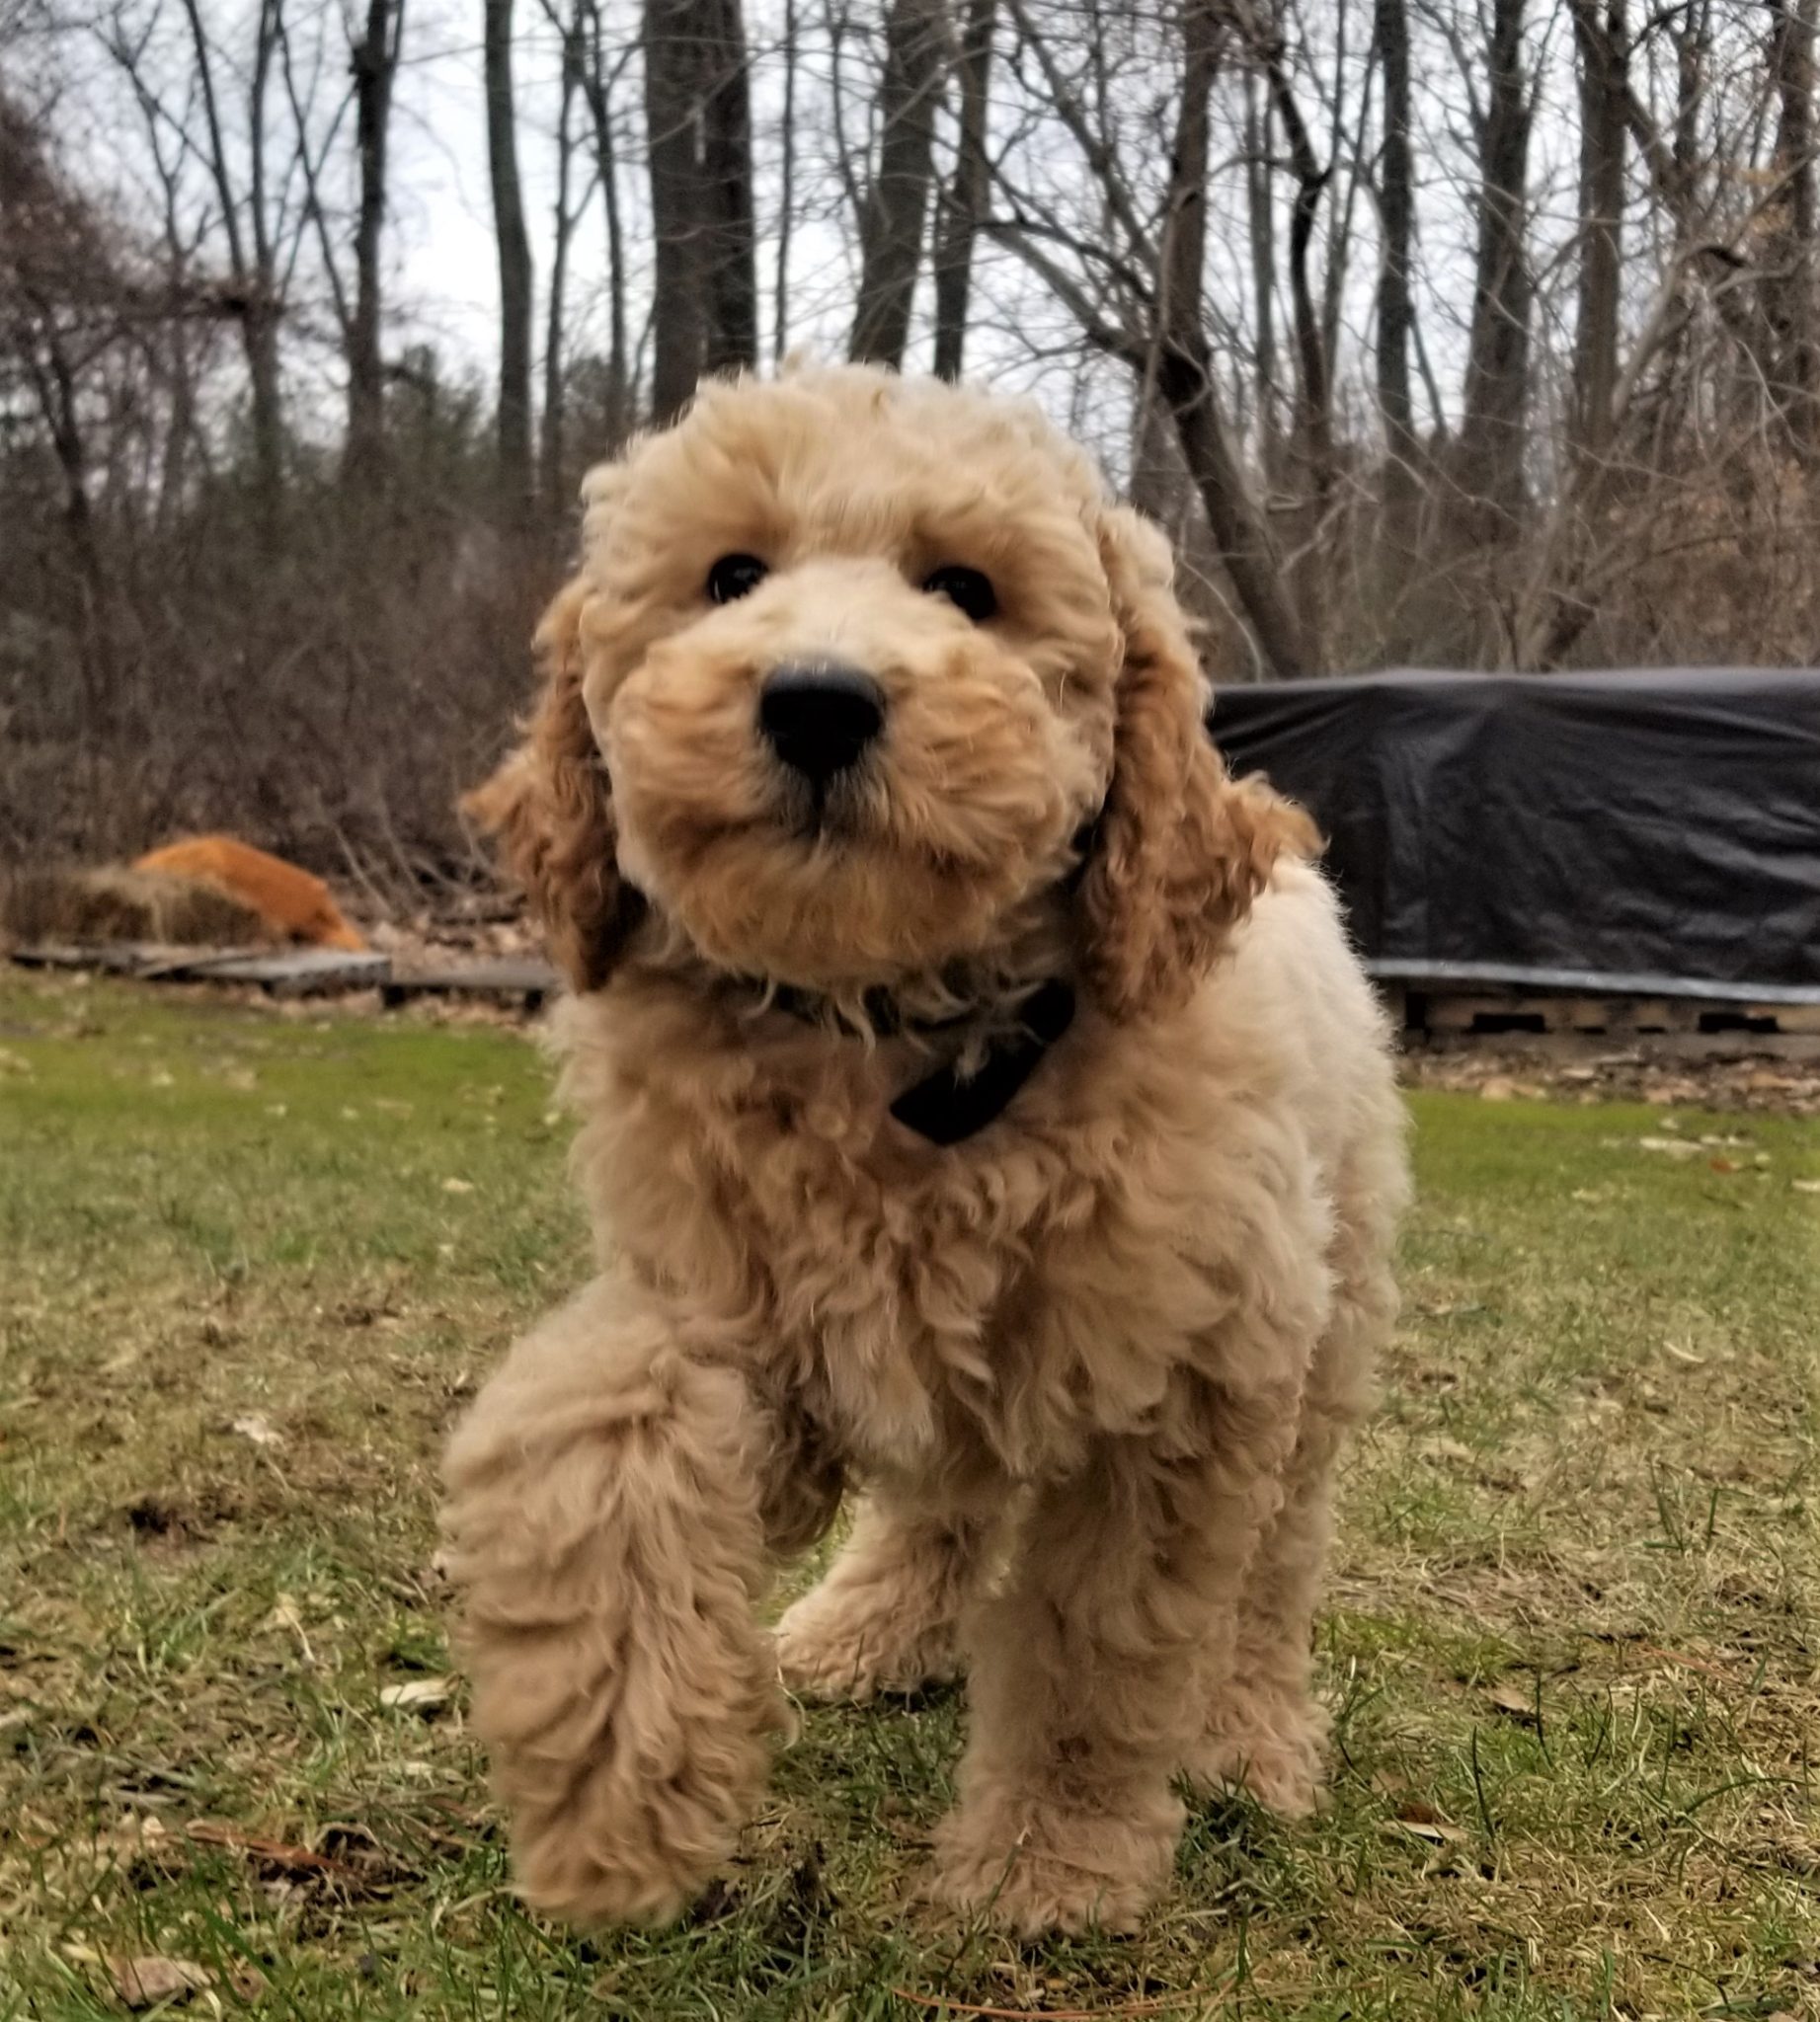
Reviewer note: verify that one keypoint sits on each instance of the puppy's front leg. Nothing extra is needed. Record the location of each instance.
(605, 1525)
(1088, 1671)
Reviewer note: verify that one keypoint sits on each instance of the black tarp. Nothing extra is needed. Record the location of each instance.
(1644, 833)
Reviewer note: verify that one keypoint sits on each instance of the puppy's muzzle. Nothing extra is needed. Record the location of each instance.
(818, 717)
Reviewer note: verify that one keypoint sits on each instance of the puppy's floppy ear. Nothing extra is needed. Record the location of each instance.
(1181, 850)
(550, 806)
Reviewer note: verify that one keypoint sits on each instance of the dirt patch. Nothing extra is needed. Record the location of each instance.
(1769, 1085)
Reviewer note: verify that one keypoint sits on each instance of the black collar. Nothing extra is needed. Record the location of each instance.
(949, 1107)
(946, 1108)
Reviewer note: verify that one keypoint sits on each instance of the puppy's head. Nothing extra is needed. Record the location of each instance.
(851, 664)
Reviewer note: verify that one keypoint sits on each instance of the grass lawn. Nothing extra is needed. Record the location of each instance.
(250, 1268)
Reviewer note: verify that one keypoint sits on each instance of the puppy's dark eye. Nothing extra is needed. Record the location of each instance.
(733, 577)
(966, 589)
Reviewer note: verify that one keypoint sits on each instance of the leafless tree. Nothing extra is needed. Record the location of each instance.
(1793, 359)
(514, 259)
(698, 119)
(375, 61)
(248, 228)
(599, 77)
(968, 190)
(891, 226)
(1395, 310)
(1497, 371)
(563, 222)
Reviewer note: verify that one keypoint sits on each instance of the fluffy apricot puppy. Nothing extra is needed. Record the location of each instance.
(981, 1109)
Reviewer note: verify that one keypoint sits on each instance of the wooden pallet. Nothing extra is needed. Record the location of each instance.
(1551, 1021)
(306, 971)
(1500, 1013)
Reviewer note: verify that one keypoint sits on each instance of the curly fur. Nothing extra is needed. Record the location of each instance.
(1089, 1368)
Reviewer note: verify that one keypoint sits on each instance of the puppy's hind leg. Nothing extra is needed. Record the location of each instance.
(604, 1522)
(1265, 1729)
(884, 1619)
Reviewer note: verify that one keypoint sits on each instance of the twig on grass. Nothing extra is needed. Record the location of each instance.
(281, 1853)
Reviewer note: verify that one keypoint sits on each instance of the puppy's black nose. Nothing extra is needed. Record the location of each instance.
(819, 716)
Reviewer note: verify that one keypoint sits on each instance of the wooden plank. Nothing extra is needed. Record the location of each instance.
(1463, 1014)
(301, 973)
(1511, 1015)
(118, 958)
(1791, 1018)
(528, 983)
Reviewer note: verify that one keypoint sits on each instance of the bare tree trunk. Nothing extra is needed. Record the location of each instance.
(679, 308)
(787, 194)
(1163, 488)
(1693, 45)
(727, 164)
(1395, 306)
(596, 87)
(254, 301)
(1602, 37)
(1497, 389)
(964, 201)
(698, 119)
(1184, 368)
(1261, 239)
(515, 264)
(1314, 402)
(890, 227)
(375, 65)
(561, 225)
(261, 322)
(1794, 361)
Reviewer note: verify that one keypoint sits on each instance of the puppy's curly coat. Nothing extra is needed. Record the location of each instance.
(1089, 1364)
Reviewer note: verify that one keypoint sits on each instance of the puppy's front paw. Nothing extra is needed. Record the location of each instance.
(620, 1813)
(841, 1643)
(1040, 1867)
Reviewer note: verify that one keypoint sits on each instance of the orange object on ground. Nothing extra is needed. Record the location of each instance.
(290, 901)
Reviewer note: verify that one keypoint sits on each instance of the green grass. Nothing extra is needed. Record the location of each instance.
(1571, 1642)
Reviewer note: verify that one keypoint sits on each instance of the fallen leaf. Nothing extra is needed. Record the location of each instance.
(1723, 1165)
(1685, 1355)
(420, 1692)
(1670, 1147)
(457, 1186)
(1497, 1088)
(1805, 1186)
(1435, 1831)
(1510, 1697)
(145, 1982)
(256, 1429)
